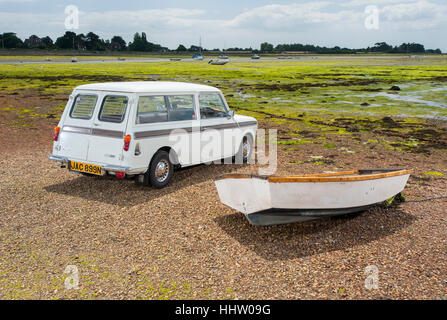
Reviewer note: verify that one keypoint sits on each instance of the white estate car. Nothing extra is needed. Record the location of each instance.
(144, 129)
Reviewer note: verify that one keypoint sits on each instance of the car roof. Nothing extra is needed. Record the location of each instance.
(147, 87)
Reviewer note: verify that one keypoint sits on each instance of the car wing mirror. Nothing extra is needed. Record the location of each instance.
(230, 114)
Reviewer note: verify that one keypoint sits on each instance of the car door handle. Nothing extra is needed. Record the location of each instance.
(96, 124)
(203, 128)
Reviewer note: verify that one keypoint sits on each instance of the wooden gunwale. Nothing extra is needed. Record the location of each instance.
(344, 176)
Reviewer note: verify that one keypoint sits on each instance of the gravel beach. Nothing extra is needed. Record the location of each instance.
(132, 242)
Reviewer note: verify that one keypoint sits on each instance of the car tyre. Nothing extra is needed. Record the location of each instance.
(245, 151)
(160, 170)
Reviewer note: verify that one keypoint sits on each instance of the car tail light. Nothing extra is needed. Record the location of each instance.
(56, 133)
(120, 175)
(127, 139)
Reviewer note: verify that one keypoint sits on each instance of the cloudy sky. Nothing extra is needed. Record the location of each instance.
(241, 23)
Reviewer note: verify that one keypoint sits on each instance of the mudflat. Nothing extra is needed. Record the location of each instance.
(134, 242)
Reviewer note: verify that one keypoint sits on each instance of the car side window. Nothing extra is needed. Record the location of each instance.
(181, 107)
(83, 106)
(113, 109)
(211, 106)
(152, 109)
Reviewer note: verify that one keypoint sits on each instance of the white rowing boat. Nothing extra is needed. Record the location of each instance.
(267, 200)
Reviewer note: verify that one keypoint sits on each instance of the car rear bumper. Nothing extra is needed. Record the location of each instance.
(106, 167)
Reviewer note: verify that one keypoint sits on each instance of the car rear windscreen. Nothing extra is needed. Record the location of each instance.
(113, 109)
(83, 106)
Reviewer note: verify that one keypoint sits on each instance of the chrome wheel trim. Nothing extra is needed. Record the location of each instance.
(162, 170)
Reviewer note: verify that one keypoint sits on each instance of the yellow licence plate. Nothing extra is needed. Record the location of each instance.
(85, 167)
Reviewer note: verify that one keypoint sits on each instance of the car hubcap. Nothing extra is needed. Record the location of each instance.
(162, 170)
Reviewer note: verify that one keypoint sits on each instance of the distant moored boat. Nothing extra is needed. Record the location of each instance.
(197, 56)
(218, 62)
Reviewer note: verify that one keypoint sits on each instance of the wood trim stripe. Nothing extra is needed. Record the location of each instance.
(107, 133)
(327, 174)
(348, 178)
(166, 132)
(75, 129)
(94, 131)
(219, 126)
(158, 133)
(247, 123)
(149, 133)
(344, 176)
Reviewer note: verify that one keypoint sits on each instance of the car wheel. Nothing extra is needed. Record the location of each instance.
(160, 170)
(245, 150)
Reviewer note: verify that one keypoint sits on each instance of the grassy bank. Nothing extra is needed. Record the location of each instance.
(334, 95)
(281, 87)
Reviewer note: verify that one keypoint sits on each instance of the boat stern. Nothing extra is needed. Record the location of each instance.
(244, 194)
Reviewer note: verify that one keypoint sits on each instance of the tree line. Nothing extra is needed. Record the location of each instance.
(92, 42)
(88, 42)
(379, 47)
(72, 41)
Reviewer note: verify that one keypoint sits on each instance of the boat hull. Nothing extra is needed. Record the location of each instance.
(281, 216)
(218, 62)
(275, 200)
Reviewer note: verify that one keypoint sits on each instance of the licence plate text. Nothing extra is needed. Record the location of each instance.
(85, 167)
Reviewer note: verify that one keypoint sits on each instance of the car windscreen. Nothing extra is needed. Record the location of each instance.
(211, 106)
(83, 106)
(113, 109)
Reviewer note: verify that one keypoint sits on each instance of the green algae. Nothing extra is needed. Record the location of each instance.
(434, 173)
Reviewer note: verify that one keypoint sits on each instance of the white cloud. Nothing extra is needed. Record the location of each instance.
(419, 15)
(288, 16)
(16, 1)
(413, 11)
(321, 22)
(364, 3)
(172, 18)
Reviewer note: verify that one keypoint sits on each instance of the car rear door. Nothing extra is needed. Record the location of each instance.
(75, 131)
(108, 129)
